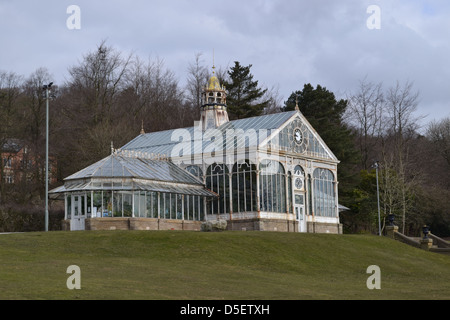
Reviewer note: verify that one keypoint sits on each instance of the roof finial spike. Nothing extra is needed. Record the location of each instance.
(296, 104)
(142, 127)
(214, 66)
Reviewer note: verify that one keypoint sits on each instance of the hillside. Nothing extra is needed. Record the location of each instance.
(229, 265)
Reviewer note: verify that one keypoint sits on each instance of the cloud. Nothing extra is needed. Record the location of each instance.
(288, 42)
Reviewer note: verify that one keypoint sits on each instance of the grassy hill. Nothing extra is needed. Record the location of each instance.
(227, 265)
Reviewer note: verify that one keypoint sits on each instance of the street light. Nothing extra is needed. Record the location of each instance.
(47, 88)
(376, 165)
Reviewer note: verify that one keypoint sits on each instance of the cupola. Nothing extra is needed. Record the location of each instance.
(214, 104)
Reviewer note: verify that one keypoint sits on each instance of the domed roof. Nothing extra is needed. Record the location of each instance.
(214, 84)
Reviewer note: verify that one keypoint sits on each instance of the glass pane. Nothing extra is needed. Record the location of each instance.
(192, 208)
(107, 204)
(165, 207)
(97, 205)
(179, 207)
(76, 206)
(127, 204)
(298, 199)
(88, 205)
(199, 205)
(136, 197)
(149, 203)
(173, 206)
(289, 192)
(155, 205)
(117, 204)
(69, 206)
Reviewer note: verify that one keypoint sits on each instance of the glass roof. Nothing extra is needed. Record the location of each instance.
(119, 165)
(135, 186)
(193, 141)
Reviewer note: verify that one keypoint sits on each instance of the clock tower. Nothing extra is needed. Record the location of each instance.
(214, 104)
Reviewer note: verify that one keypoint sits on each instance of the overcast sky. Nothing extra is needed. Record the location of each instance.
(288, 42)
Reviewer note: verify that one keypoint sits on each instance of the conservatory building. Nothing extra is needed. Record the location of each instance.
(271, 172)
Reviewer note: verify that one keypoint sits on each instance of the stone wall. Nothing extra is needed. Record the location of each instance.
(136, 224)
(262, 225)
(321, 227)
(254, 224)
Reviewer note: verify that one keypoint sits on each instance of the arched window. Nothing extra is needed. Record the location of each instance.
(324, 195)
(195, 171)
(272, 184)
(298, 171)
(299, 178)
(244, 187)
(217, 181)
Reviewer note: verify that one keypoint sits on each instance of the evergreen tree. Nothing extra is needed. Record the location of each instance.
(244, 96)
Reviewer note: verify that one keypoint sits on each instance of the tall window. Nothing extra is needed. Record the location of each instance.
(244, 187)
(324, 194)
(217, 181)
(193, 208)
(290, 203)
(272, 184)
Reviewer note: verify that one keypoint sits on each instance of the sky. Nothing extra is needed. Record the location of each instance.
(333, 43)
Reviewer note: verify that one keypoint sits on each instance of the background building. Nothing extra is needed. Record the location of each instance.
(19, 164)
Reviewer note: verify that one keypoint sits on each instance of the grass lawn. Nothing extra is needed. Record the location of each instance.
(223, 265)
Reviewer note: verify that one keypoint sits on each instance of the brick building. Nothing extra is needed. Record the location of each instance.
(19, 164)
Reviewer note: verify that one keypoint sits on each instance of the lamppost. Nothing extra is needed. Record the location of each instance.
(376, 165)
(47, 88)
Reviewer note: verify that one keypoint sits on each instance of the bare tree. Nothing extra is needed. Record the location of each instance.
(401, 104)
(365, 113)
(275, 102)
(153, 96)
(90, 105)
(97, 81)
(439, 133)
(197, 78)
(34, 115)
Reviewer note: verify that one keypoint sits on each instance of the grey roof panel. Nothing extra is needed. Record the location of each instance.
(166, 143)
(148, 186)
(120, 166)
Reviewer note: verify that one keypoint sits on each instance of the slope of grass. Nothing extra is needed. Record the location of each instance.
(227, 265)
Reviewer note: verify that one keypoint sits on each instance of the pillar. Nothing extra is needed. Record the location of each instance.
(426, 244)
(390, 231)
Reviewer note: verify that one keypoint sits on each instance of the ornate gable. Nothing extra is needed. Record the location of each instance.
(299, 137)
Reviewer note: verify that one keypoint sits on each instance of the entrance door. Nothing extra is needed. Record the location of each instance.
(299, 208)
(78, 213)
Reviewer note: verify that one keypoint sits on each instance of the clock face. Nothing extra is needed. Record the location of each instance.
(298, 183)
(295, 137)
(298, 136)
